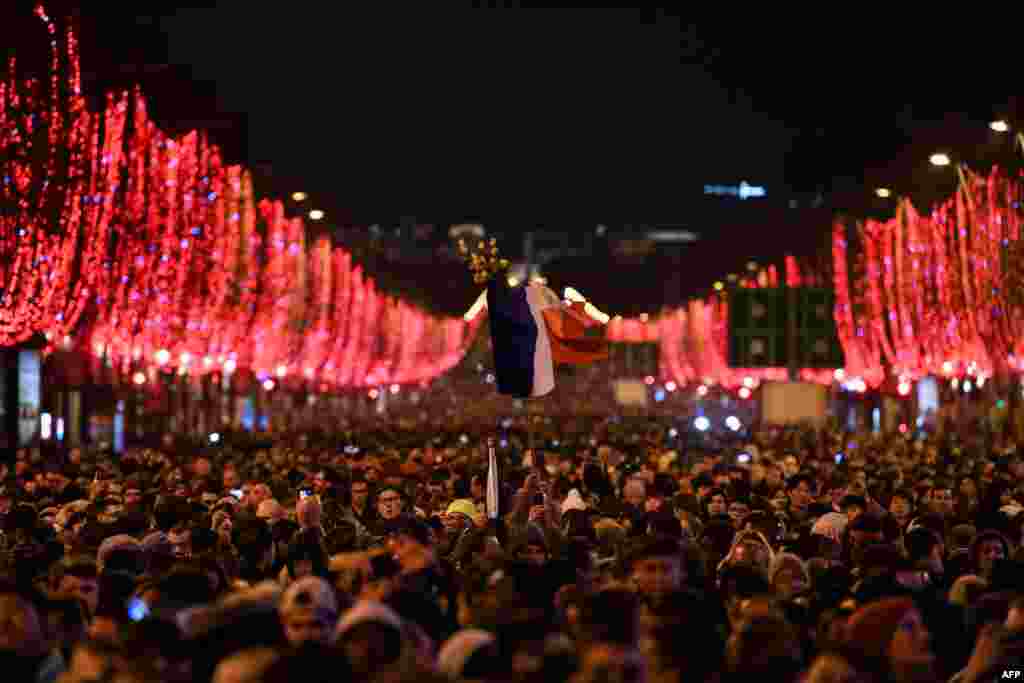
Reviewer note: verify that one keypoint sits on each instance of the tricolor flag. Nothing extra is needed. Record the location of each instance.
(532, 330)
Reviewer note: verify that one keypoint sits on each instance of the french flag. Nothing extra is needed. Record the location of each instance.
(531, 331)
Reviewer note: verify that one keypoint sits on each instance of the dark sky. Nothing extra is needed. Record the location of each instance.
(531, 116)
(543, 117)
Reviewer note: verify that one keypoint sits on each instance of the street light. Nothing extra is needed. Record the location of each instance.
(940, 159)
(1000, 126)
(299, 196)
(316, 214)
(883, 192)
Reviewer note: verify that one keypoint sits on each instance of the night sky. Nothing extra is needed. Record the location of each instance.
(547, 117)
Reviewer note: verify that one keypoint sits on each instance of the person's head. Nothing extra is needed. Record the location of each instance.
(245, 666)
(390, 502)
(901, 504)
(254, 494)
(831, 668)
(436, 485)
(864, 531)
(470, 654)
(21, 628)
(459, 516)
(968, 487)
(533, 549)
(306, 557)
(800, 489)
(411, 545)
(609, 617)
(635, 492)
(940, 499)
(77, 577)
(181, 541)
(717, 503)
(201, 467)
(371, 636)
(766, 647)
(889, 636)
(308, 512)
(656, 566)
(988, 548)
(853, 506)
(925, 549)
(309, 611)
(788, 576)
(476, 487)
(790, 465)
(966, 590)
(359, 488)
(230, 478)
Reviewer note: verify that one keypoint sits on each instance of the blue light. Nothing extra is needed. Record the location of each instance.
(659, 395)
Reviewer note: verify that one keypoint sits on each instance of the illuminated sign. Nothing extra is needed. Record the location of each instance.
(744, 191)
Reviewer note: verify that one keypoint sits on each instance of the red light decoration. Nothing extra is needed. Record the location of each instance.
(146, 242)
(130, 240)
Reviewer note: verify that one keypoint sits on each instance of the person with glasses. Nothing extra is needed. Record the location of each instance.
(390, 503)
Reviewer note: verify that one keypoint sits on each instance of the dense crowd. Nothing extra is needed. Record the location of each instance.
(617, 554)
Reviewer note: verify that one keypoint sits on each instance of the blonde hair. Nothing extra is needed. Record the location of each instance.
(966, 589)
(829, 668)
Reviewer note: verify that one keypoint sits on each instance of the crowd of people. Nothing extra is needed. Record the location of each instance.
(616, 553)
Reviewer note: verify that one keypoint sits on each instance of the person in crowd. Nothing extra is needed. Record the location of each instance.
(597, 566)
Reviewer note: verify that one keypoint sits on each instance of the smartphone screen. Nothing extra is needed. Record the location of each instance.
(137, 609)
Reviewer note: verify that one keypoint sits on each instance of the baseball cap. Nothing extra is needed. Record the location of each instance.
(462, 507)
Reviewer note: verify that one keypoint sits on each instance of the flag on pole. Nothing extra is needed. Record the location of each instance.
(523, 366)
(493, 483)
(532, 330)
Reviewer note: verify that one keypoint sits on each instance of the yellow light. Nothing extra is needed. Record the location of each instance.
(513, 282)
(596, 314)
(139, 378)
(883, 192)
(999, 126)
(719, 286)
(316, 214)
(478, 305)
(299, 196)
(940, 159)
(572, 295)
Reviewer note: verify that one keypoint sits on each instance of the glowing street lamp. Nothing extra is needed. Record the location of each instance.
(316, 215)
(299, 196)
(883, 192)
(940, 159)
(1000, 126)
